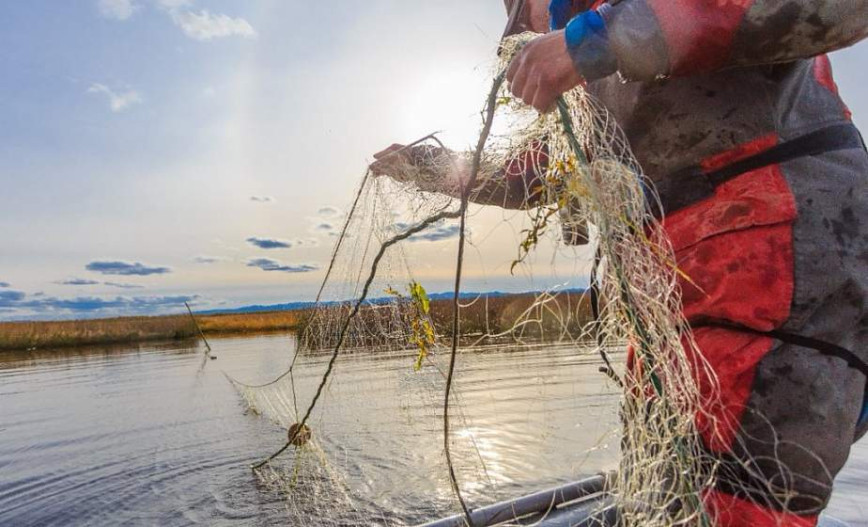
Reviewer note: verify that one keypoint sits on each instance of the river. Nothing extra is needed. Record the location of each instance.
(151, 435)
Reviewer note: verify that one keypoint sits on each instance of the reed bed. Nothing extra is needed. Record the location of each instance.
(484, 315)
(70, 333)
(67, 333)
(251, 322)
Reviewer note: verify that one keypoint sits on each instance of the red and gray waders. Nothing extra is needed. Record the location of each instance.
(731, 109)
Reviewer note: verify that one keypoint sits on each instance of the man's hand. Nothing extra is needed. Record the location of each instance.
(392, 162)
(542, 71)
(430, 168)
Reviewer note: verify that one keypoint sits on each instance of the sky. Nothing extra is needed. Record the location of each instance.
(160, 151)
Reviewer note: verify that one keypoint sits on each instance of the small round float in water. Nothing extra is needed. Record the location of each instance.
(299, 435)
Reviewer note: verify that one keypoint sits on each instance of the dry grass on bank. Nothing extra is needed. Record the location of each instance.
(251, 322)
(27, 335)
(500, 314)
(523, 316)
(519, 315)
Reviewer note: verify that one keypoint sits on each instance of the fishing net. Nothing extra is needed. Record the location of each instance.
(586, 181)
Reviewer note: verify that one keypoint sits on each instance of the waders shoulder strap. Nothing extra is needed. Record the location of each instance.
(692, 184)
(826, 348)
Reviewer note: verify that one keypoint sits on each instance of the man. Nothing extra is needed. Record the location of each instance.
(731, 109)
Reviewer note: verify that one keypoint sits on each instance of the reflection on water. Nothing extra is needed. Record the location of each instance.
(139, 435)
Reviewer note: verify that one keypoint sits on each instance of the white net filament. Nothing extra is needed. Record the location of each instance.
(588, 177)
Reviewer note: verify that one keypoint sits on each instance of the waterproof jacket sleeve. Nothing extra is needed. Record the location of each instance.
(653, 38)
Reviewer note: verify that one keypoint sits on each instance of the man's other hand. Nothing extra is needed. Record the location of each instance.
(542, 71)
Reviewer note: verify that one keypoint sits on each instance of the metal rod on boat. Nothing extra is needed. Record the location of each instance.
(594, 512)
(538, 502)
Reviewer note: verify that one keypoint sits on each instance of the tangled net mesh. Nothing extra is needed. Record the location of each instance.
(371, 299)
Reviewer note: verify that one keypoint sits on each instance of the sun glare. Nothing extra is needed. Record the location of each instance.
(447, 101)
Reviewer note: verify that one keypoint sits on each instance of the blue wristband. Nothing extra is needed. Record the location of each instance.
(559, 13)
(588, 44)
(585, 24)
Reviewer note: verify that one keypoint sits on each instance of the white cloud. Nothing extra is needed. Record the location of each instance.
(202, 25)
(118, 9)
(118, 102)
(207, 26)
(171, 5)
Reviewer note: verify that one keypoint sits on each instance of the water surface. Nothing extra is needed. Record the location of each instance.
(146, 435)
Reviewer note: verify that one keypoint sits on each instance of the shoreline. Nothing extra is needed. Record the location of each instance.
(493, 315)
(41, 335)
